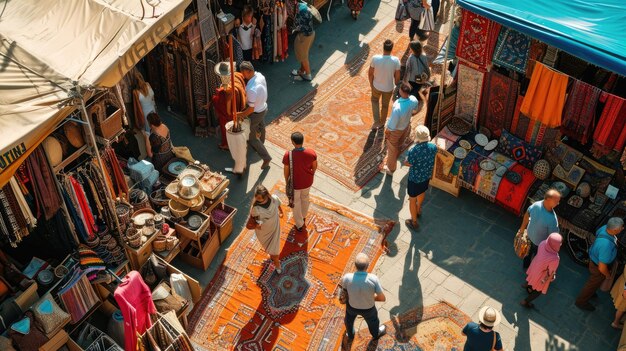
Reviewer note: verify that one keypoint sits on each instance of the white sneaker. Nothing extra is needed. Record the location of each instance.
(382, 330)
(279, 269)
(387, 171)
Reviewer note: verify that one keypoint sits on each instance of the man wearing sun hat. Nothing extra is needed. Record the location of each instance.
(421, 159)
(481, 336)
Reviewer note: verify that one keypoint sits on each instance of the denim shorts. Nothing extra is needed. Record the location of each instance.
(415, 189)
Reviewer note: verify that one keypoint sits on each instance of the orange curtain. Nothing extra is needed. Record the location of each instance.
(545, 97)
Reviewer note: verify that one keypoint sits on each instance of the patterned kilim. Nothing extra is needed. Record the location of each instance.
(248, 306)
(498, 102)
(337, 116)
(512, 50)
(432, 328)
(477, 40)
(470, 86)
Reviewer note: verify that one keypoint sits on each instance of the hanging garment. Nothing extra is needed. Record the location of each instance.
(44, 186)
(76, 220)
(10, 227)
(610, 133)
(120, 187)
(28, 214)
(83, 207)
(580, 111)
(545, 97)
(135, 301)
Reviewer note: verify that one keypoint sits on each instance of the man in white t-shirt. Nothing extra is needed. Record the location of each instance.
(384, 74)
(256, 95)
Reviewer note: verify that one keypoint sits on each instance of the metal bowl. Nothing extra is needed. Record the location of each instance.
(188, 187)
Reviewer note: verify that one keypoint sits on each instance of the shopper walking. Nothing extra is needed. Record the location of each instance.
(542, 270)
(266, 211)
(539, 221)
(256, 96)
(355, 7)
(398, 127)
(415, 9)
(304, 40)
(363, 291)
(618, 293)
(421, 160)
(417, 71)
(481, 336)
(301, 164)
(384, 74)
(602, 253)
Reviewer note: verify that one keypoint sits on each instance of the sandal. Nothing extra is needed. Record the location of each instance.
(413, 226)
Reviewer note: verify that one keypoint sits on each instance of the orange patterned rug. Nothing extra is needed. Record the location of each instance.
(337, 116)
(432, 328)
(248, 306)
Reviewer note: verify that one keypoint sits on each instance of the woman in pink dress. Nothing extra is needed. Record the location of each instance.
(542, 270)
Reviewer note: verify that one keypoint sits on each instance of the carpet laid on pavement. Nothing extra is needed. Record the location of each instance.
(432, 328)
(248, 306)
(337, 116)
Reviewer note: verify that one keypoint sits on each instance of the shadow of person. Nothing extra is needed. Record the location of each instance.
(387, 208)
(519, 317)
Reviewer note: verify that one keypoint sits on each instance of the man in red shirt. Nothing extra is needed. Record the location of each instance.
(304, 163)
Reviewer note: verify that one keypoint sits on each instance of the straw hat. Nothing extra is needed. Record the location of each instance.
(489, 316)
(53, 149)
(222, 69)
(73, 134)
(422, 134)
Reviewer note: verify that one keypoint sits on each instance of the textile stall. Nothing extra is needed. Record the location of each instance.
(530, 116)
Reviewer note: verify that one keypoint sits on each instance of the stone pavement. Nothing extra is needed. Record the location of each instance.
(463, 252)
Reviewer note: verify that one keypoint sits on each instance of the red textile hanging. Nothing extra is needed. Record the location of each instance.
(477, 40)
(610, 133)
(580, 111)
(83, 207)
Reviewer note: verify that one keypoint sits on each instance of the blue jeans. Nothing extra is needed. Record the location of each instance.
(370, 316)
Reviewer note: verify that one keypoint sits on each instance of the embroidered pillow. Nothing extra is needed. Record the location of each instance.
(518, 149)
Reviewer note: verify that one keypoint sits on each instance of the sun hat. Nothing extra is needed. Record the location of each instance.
(422, 134)
(222, 69)
(489, 316)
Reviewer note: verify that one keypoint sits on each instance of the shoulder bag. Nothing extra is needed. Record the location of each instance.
(251, 223)
(422, 76)
(402, 14)
(290, 189)
(343, 295)
(493, 347)
(521, 243)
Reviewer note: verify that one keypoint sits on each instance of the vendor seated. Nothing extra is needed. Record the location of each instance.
(160, 143)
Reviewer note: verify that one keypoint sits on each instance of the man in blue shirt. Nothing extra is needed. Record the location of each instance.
(540, 221)
(601, 254)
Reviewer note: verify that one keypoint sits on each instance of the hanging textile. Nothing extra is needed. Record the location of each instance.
(23, 204)
(134, 299)
(571, 65)
(512, 50)
(265, 25)
(199, 92)
(477, 40)
(610, 133)
(497, 105)
(552, 54)
(470, 85)
(580, 111)
(120, 187)
(535, 54)
(83, 207)
(545, 97)
(75, 217)
(78, 296)
(9, 225)
(44, 186)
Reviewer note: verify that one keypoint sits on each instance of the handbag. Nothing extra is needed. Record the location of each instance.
(402, 14)
(608, 282)
(49, 314)
(427, 20)
(251, 223)
(422, 76)
(343, 296)
(184, 153)
(165, 301)
(290, 190)
(521, 243)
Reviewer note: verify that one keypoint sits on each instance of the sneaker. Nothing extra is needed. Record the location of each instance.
(303, 77)
(295, 73)
(382, 330)
(279, 269)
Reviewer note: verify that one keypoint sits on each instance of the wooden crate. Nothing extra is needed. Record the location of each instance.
(138, 257)
(226, 226)
(199, 253)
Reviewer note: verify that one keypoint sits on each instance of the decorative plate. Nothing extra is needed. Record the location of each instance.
(491, 145)
(459, 126)
(141, 218)
(481, 139)
(514, 177)
(487, 165)
(194, 221)
(176, 167)
(501, 171)
(465, 144)
(584, 189)
(575, 201)
(485, 130)
(460, 153)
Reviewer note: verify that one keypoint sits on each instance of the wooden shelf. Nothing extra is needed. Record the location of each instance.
(71, 158)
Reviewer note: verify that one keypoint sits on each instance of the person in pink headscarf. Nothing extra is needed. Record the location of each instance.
(542, 270)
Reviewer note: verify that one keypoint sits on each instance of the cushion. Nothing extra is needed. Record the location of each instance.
(518, 149)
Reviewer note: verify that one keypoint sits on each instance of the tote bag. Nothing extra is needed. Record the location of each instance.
(427, 20)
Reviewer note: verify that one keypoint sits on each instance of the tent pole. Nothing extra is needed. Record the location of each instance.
(232, 85)
(445, 66)
(92, 137)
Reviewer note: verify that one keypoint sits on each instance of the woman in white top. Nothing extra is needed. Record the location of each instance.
(143, 98)
(266, 211)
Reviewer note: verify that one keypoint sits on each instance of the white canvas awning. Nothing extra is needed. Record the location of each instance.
(49, 47)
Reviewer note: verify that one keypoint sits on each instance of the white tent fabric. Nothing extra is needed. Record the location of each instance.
(49, 48)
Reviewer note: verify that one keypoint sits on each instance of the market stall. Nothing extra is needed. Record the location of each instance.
(525, 114)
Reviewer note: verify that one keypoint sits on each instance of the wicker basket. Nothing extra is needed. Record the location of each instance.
(159, 244)
(111, 125)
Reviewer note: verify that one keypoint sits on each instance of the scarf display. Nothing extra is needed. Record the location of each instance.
(47, 197)
(512, 50)
(610, 134)
(580, 111)
(477, 40)
(119, 187)
(545, 97)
